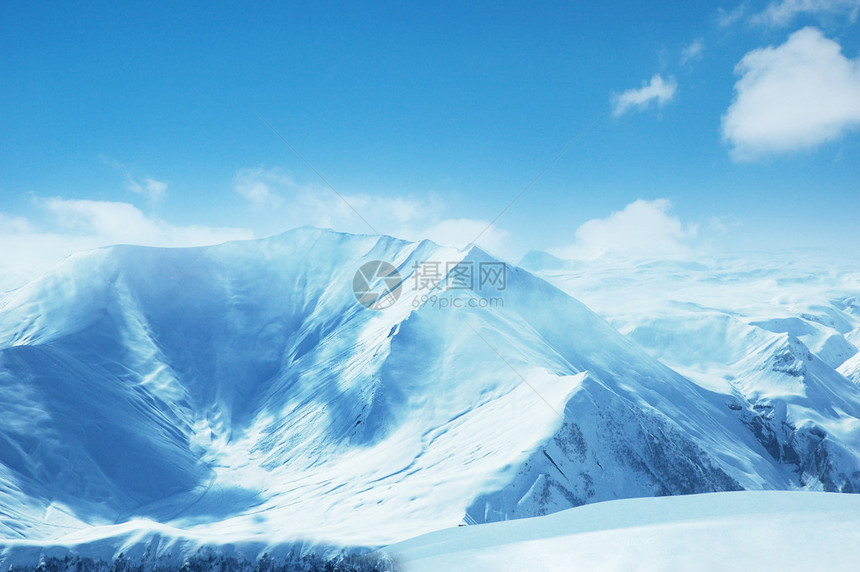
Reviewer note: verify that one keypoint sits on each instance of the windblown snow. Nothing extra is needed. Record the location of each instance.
(239, 394)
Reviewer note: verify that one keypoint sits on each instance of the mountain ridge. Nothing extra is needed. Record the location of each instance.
(242, 387)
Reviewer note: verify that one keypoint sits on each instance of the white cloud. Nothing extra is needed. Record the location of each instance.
(154, 190)
(256, 185)
(110, 222)
(657, 90)
(317, 205)
(71, 225)
(151, 188)
(792, 97)
(403, 216)
(461, 232)
(13, 224)
(726, 18)
(779, 14)
(643, 229)
(26, 249)
(693, 52)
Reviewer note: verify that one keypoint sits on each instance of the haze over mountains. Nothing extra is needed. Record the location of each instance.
(239, 392)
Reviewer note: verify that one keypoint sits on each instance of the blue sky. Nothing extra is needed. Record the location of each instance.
(139, 122)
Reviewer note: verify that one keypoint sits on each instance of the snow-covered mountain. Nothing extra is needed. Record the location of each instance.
(239, 392)
(779, 332)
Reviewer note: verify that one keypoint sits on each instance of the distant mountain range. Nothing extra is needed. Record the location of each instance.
(241, 391)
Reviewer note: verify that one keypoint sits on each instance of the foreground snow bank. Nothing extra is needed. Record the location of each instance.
(766, 530)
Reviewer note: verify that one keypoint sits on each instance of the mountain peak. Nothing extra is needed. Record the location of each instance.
(244, 386)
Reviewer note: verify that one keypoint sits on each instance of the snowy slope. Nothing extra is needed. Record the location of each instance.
(851, 368)
(239, 391)
(779, 334)
(719, 531)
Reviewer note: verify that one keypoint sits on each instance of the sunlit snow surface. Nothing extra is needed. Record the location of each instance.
(779, 330)
(239, 394)
(716, 532)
